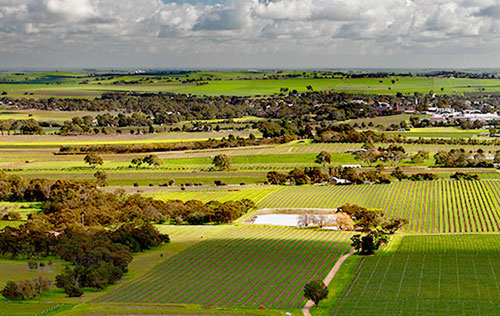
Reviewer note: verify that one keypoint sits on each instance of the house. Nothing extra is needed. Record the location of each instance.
(338, 181)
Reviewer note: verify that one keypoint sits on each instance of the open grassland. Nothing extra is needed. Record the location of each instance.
(17, 270)
(241, 267)
(436, 206)
(428, 275)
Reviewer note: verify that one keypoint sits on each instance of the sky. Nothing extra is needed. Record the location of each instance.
(250, 34)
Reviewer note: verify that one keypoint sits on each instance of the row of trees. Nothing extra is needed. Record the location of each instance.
(229, 142)
(459, 158)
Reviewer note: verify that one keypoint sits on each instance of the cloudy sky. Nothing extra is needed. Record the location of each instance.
(250, 33)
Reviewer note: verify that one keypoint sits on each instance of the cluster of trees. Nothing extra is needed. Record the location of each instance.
(102, 122)
(314, 175)
(375, 228)
(423, 176)
(70, 202)
(167, 108)
(459, 158)
(27, 289)
(298, 176)
(150, 160)
(356, 176)
(99, 256)
(393, 154)
(464, 176)
(229, 142)
(23, 127)
(198, 213)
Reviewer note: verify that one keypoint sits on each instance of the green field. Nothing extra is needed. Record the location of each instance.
(234, 83)
(239, 268)
(427, 275)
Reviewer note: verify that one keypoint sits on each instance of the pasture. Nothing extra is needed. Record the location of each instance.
(241, 267)
(427, 275)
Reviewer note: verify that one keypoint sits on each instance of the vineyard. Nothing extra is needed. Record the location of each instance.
(430, 207)
(241, 267)
(428, 275)
(217, 195)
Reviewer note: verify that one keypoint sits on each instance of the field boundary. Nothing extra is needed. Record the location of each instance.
(306, 310)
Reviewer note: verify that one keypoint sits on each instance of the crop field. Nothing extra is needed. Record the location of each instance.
(431, 207)
(56, 141)
(241, 267)
(428, 275)
(440, 132)
(254, 194)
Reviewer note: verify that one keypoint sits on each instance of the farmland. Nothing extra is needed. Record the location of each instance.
(430, 207)
(241, 265)
(443, 258)
(239, 84)
(427, 275)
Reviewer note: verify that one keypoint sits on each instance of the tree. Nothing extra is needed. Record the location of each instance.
(93, 160)
(398, 174)
(222, 162)
(11, 291)
(367, 156)
(497, 157)
(137, 162)
(323, 158)
(420, 156)
(101, 178)
(316, 291)
(276, 178)
(153, 161)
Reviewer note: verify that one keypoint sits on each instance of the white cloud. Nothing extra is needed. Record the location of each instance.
(245, 30)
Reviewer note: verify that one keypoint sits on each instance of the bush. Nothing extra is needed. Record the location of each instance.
(73, 291)
(219, 183)
(32, 265)
(136, 184)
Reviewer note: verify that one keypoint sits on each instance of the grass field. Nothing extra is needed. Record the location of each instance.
(240, 268)
(427, 275)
